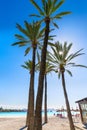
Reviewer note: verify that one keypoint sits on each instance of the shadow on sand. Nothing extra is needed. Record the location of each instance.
(26, 126)
(23, 128)
(85, 126)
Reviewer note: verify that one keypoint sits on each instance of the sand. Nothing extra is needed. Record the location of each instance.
(54, 123)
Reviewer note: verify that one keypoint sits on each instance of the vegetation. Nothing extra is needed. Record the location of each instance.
(61, 60)
(33, 37)
(47, 71)
(11, 110)
(46, 14)
(30, 111)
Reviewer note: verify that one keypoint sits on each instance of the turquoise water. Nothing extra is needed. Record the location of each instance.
(23, 114)
(12, 114)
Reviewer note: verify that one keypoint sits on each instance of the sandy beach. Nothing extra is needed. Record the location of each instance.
(54, 123)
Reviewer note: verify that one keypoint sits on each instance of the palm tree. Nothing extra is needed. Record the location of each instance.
(32, 35)
(48, 14)
(28, 65)
(61, 60)
(47, 71)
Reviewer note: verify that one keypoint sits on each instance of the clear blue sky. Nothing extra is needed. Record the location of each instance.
(14, 80)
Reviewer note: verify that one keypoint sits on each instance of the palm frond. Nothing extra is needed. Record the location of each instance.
(59, 74)
(21, 29)
(20, 43)
(54, 2)
(38, 8)
(69, 72)
(55, 54)
(57, 6)
(61, 14)
(50, 6)
(27, 51)
(20, 37)
(55, 25)
(35, 15)
(51, 36)
(24, 66)
(79, 66)
(38, 57)
(46, 10)
(70, 64)
(27, 65)
(75, 55)
(66, 49)
(51, 44)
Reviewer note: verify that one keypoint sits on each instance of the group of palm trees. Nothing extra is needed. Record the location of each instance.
(37, 39)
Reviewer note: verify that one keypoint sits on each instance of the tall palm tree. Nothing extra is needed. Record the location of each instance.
(47, 71)
(32, 35)
(61, 60)
(28, 65)
(47, 13)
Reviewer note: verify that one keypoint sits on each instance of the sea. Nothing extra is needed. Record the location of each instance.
(23, 114)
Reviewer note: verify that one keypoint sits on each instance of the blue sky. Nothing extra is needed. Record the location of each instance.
(14, 80)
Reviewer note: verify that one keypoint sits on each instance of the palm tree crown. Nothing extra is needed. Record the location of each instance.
(61, 59)
(28, 65)
(49, 7)
(32, 35)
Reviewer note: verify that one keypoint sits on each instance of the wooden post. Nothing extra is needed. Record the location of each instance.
(80, 112)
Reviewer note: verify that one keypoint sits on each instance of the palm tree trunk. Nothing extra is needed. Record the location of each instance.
(38, 113)
(30, 111)
(45, 101)
(67, 104)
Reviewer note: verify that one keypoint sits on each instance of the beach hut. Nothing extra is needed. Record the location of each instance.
(83, 109)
